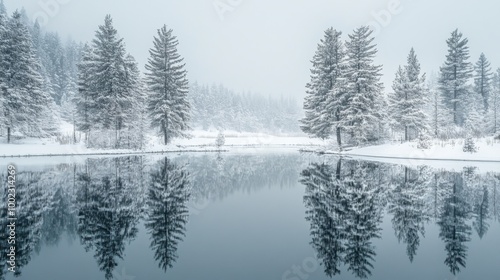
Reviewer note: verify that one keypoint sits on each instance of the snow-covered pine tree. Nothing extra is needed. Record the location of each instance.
(363, 113)
(482, 79)
(221, 139)
(3, 65)
(474, 113)
(494, 105)
(455, 75)
(114, 98)
(167, 101)
(469, 145)
(25, 105)
(439, 115)
(136, 119)
(85, 98)
(408, 99)
(327, 68)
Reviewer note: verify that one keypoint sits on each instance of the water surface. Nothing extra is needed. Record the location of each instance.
(251, 216)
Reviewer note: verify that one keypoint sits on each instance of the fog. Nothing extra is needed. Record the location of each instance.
(266, 46)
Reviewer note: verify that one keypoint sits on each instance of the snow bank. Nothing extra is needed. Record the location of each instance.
(488, 151)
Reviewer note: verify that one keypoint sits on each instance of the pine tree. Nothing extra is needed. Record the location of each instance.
(455, 74)
(482, 79)
(85, 98)
(407, 102)
(364, 111)
(25, 105)
(494, 105)
(107, 87)
(438, 113)
(475, 114)
(326, 71)
(114, 98)
(167, 102)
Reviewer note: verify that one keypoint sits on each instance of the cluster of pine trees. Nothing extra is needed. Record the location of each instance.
(220, 108)
(114, 104)
(97, 87)
(36, 69)
(345, 96)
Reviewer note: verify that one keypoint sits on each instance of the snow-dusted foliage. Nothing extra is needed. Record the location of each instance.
(220, 140)
(455, 75)
(482, 79)
(24, 106)
(493, 122)
(167, 100)
(408, 99)
(365, 108)
(326, 74)
(345, 92)
(108, 103)
(217, 107)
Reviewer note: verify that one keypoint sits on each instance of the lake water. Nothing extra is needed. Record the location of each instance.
(250, 216)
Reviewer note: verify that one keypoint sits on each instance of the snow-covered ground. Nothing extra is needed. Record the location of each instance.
(201, 141)
(488, 150)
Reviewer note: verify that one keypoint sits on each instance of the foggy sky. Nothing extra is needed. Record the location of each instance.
(266, 46)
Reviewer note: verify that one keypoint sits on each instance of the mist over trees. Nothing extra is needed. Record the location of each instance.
(217, 107)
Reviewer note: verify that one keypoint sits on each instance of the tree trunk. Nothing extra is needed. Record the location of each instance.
(165, 135)
(8, 134)
(406, 133)
(339, 135)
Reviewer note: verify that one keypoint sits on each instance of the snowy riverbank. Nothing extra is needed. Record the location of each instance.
(451, 150)
(201, 141)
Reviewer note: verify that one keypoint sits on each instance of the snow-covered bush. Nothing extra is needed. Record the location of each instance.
(221, 139)
(469, 145)
(424, 141)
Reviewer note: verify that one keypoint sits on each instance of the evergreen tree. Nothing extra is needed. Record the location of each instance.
(114, 98)
(494, 105)
(85, 99)
(167, 100)
(364, 110)
(455, 74)
(25, 105)
(107, 88)
(328, 64)
(482, 79)
(407, 102)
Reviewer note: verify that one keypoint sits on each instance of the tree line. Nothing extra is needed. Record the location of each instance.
(97, 86)
(345, 97)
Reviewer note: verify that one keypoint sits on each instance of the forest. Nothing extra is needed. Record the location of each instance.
(99, 90)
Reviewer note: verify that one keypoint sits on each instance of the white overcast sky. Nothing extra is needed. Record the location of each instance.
(265, 46)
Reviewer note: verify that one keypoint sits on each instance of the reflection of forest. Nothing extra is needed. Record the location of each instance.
(102, 203)
(345, 201)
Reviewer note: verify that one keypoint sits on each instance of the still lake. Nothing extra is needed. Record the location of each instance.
(263, 215)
